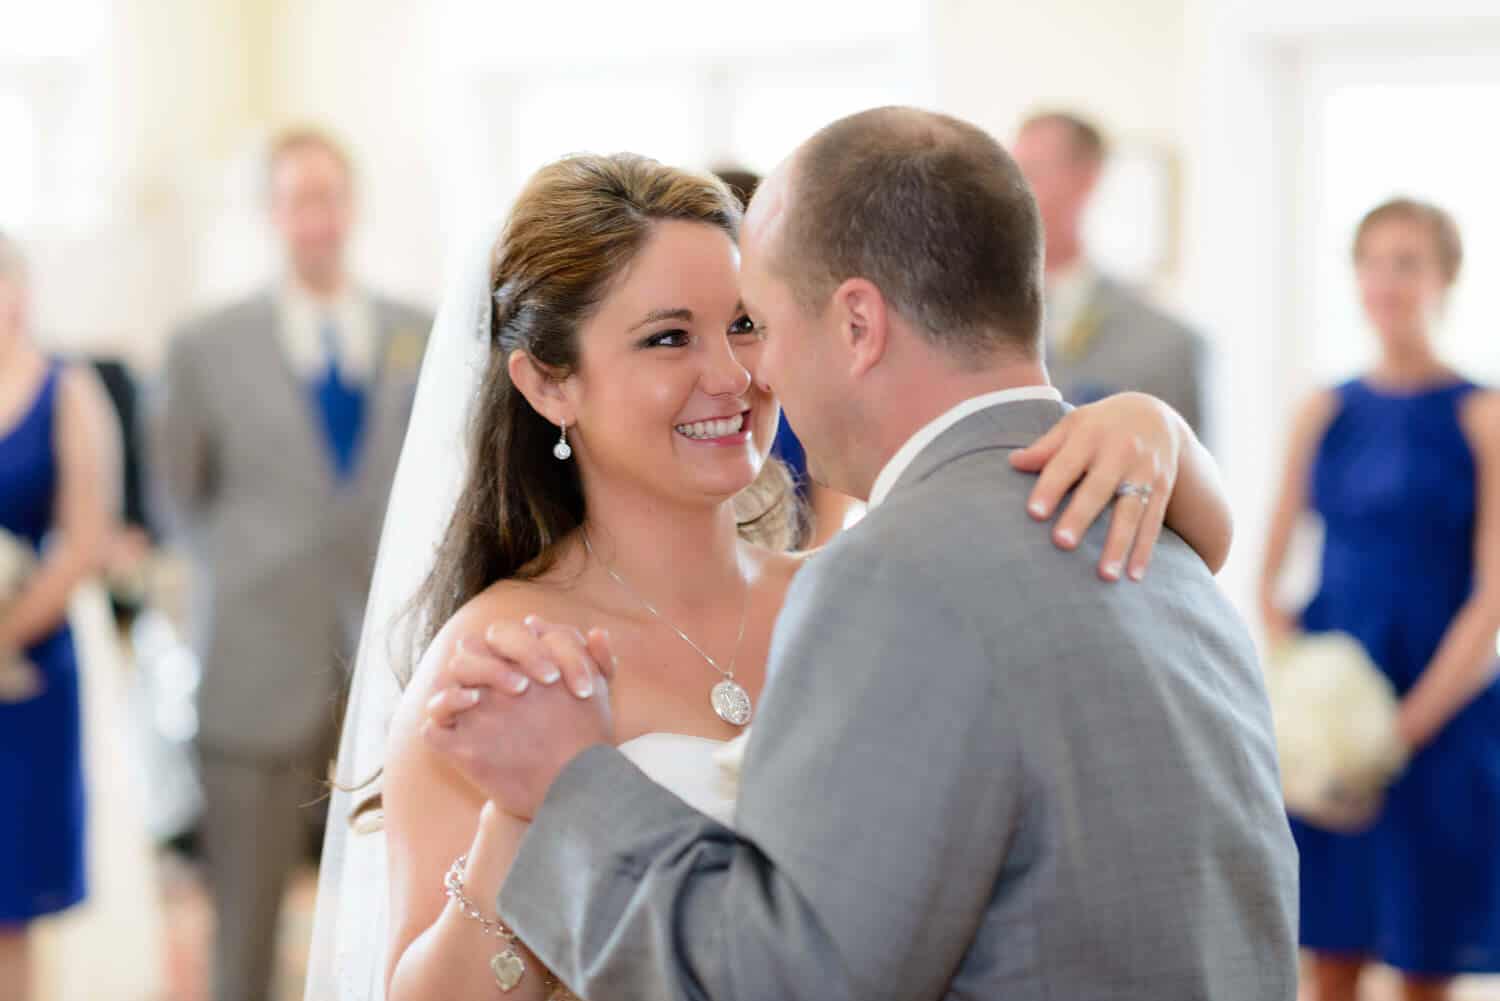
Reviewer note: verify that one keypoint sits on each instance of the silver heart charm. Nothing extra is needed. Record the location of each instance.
(508, 969)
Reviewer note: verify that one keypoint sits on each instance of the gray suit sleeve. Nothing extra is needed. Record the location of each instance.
(181, 441)
(878, 794)
(1190, 376)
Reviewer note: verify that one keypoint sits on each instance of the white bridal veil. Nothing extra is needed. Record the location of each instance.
(347, 961)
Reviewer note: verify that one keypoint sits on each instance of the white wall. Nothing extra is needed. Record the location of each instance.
(195, 86)
(379, 96)
(1124, 66)
(143, 114)
(1119, 62)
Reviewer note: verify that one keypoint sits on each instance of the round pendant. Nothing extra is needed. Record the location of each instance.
(562, 451)
(732, 702)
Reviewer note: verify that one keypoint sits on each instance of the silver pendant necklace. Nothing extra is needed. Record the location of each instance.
(729, 699)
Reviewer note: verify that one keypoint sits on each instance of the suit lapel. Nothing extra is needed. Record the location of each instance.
(1092, 320)
(398, 359)
(1097, 316)
(1078, 339)
(287, 411)
(288, 423)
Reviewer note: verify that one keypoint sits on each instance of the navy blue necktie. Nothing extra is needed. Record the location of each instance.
(341, 402)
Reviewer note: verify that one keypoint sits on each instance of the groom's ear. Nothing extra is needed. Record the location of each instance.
(542, 388)
(864, 323)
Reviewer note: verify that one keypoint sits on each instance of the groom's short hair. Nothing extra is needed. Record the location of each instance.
(930, 209)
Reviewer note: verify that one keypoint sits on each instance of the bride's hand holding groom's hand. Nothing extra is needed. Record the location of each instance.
(502, 720)
(512, 656)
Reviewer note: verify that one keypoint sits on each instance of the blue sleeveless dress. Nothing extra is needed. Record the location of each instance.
(1394, 480)
(41, 762)
(788, 448)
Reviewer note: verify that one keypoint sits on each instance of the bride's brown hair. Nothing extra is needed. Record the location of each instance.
(574, 229)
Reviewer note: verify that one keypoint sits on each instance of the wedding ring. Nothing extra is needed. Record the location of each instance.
(1128, 489)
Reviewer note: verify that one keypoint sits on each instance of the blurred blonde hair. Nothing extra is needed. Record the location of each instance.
(12, 261)
(577, 225)
(1086, 139)
(296, 139)
(1446, 241)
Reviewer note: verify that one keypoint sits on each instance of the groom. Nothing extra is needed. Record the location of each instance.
(977, 772)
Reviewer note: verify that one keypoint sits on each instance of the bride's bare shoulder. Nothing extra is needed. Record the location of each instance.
(503, 601)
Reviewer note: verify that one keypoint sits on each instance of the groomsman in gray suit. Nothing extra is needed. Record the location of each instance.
(276, 438)
(1101, 336)
(977, 770)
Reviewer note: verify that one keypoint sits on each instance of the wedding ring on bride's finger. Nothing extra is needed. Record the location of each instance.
(1129, 489)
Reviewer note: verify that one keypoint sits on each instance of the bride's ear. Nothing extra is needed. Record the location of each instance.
(543, 390)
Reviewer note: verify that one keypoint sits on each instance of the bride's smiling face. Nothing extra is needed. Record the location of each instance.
(664, 394)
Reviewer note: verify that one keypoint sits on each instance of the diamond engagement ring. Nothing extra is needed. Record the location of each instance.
(1128, 489)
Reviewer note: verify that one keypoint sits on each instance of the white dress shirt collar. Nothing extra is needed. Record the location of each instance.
(302, 320)
(915, 445)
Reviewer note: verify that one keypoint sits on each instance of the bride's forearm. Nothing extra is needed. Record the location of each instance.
(43, 605)
(451, 959)
(1199, 508)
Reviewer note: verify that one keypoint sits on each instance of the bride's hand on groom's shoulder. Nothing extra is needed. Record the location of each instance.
(1127, 446)
(500, 718)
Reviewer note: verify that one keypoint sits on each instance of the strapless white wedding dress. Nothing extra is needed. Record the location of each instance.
(703, 773)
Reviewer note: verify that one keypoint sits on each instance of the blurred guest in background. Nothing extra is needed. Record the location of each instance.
(824, 510)
(276, 439)
(126, 555)
(1102, 338)
(1403, 466)
(58, 462)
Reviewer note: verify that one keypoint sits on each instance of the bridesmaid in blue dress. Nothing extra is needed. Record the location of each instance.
(55, 448)
(1403, 465)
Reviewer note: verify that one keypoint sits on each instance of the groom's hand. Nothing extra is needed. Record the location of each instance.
(513, 655)
(513, 747)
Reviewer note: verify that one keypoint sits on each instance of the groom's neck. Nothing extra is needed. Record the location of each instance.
(928, 395)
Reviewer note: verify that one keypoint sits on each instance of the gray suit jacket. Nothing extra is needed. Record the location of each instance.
(1121, 342)
(978, 772)
(283, 551)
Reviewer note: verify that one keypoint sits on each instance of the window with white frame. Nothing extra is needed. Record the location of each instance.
(53, 130)
(1381, 121)
(18, 163)
(690, 85)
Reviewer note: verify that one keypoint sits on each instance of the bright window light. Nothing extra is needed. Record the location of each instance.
(1423, 140)
(18, 179)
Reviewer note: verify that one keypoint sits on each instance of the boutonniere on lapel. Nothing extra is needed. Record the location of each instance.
(1076, 341)
(403, 352)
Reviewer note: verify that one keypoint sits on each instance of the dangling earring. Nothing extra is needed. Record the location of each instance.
(562, 450)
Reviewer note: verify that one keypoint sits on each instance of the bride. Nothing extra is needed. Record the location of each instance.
(615, 474)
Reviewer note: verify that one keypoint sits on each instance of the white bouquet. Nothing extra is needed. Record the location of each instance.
(19, 678)
(1335, 716)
